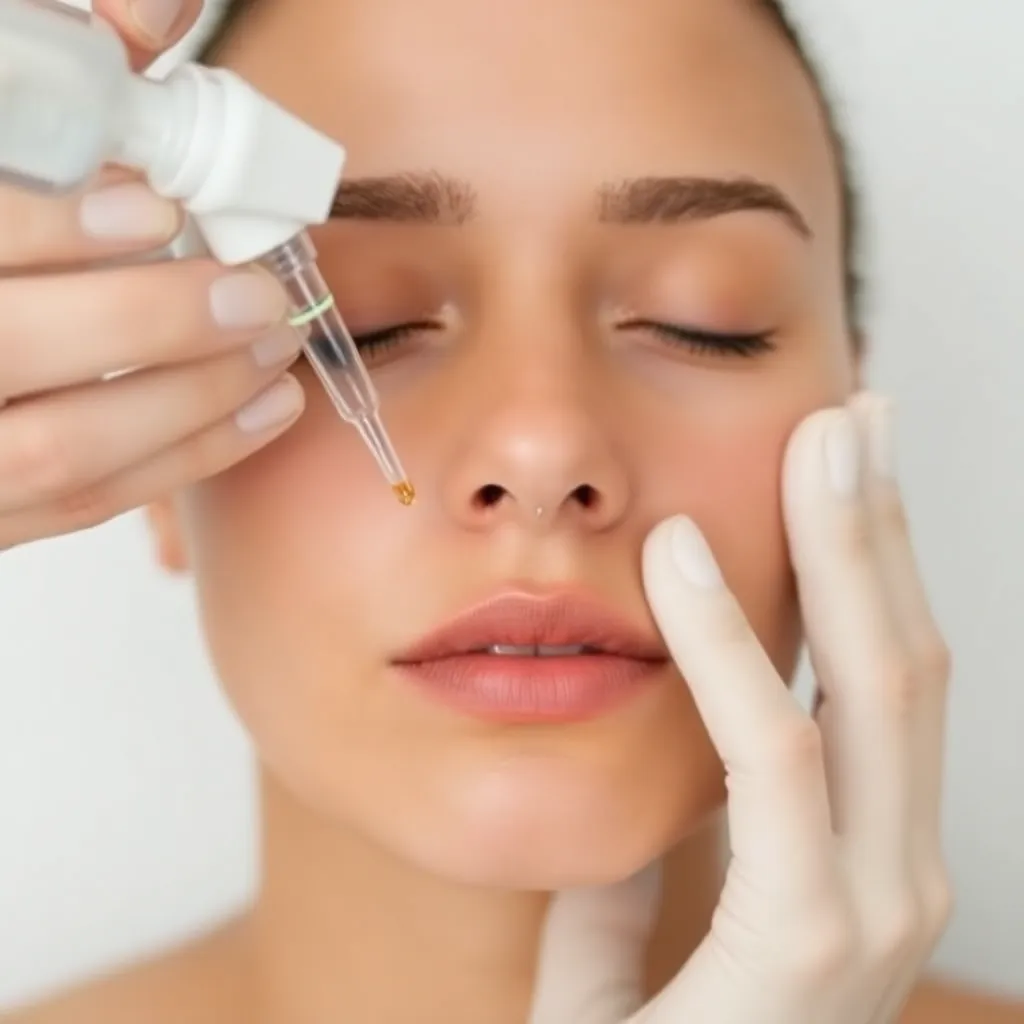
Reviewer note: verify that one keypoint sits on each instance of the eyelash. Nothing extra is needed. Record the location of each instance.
(703, 342)
(699, 341)
(372, 342)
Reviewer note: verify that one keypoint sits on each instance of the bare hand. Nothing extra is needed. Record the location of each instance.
(80, 440)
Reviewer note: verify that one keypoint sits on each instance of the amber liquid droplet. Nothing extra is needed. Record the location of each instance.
(405, 492)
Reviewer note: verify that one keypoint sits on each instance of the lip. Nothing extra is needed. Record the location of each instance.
(450, 664)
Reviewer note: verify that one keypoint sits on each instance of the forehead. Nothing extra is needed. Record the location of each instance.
(539, 100)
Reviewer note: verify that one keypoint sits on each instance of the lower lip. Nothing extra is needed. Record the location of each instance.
(512, 689)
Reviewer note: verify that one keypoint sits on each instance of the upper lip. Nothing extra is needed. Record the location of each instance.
(561, 620)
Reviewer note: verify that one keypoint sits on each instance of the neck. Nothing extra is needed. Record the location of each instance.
(342, 931)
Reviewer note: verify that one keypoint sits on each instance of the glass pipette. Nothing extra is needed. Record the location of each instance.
(334, 356)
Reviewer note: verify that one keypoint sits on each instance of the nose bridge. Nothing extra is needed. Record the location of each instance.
(531, 332)
(537, 447)
(540, 422)
(546, 385)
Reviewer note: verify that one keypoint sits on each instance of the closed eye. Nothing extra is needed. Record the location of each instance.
(698, 340)
(374, 342)
(705, 342)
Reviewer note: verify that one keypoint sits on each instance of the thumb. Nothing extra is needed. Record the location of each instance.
(149, 27)
(592, 952)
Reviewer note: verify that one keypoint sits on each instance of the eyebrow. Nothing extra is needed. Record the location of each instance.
(405, 199)
(679, 200)
(438, 200)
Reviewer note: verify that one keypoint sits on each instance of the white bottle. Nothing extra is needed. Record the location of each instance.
(252, 176)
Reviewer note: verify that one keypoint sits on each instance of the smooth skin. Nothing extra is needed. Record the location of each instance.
(776, 760)
(209, 348)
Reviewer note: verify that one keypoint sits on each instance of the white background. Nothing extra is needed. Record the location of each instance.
(125, 806)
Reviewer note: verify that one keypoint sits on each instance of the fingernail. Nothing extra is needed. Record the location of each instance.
(842, 454)
(156, 18)
(693, 555)
(883, 443)
(278, 404)
(130, 212)
(246, 300)
(280, 346)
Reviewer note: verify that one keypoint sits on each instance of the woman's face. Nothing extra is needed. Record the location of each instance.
(542, 216)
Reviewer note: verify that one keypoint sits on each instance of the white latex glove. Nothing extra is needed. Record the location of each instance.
(836, 891)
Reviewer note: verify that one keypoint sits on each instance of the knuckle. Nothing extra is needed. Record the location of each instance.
(937, 661)
(898, 931)
(902, 686)
(203, 455)
(35, 459)
(220, 386)
(939, 904)
(825, 951)
(796, 747)
(82, 507)
(206, 453)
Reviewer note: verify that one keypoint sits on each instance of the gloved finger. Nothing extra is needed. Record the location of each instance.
(911, 609)
(592, 954)
(779, 822)
(928, 651)
(855, 644)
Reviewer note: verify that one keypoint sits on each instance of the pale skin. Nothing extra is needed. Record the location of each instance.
(397, 839)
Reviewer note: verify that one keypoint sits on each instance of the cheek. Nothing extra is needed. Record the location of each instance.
(291, 543)
(728, 479)
(739, 505)
(305, 561)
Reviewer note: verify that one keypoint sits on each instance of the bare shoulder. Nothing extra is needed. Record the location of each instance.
(201, 982)
(936, 1002)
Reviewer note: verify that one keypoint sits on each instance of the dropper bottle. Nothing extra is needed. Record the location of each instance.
(252, 176)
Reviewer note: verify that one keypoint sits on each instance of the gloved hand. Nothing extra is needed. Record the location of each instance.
(836, 890)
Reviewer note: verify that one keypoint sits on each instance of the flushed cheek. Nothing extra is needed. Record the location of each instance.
(731, 487)
(739, 504)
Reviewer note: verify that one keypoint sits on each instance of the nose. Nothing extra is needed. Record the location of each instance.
(540, 457)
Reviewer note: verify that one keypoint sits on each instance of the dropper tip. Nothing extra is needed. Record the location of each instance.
(404, 492)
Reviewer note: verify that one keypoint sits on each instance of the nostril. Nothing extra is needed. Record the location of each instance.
(489, 495)
(586, 495)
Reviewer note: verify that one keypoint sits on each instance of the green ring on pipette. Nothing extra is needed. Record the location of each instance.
(319, 308)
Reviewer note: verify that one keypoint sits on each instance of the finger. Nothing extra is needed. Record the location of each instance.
(68, 440)
(913, 615)
(915, 620)
(149, 27)
(592, 952)
(203, 455)
(107, 218)
(854, 645)
(778, 808)
(57, 331)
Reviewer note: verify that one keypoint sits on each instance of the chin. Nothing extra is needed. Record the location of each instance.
(542, 823)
